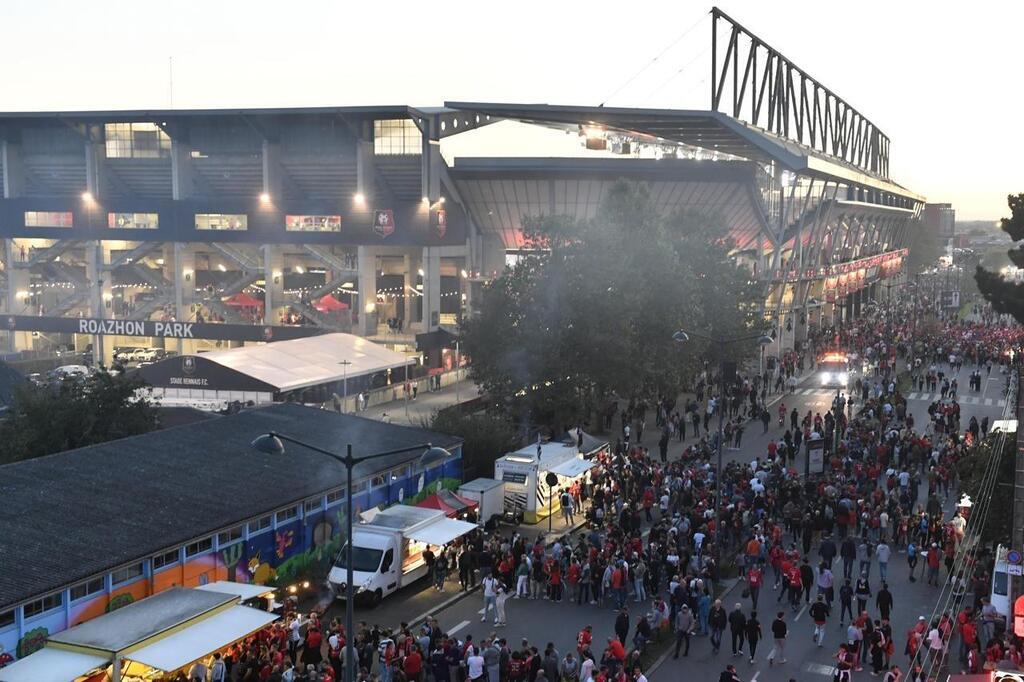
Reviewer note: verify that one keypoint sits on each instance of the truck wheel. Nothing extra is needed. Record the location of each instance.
(376, 598)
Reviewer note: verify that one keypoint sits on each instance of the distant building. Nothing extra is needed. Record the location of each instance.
(940, 218)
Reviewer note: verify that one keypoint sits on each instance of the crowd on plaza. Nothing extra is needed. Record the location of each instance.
(656, 539)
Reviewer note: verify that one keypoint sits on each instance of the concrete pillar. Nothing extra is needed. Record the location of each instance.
(367, 257)
(365, 172)
(273, 275)
(14, 170)
(100, 295)
(410, 263)
(430, 164)
(182, 273)
(182, 186)
(272, 183)
(95, 158)
(431, 288)
(18, 282)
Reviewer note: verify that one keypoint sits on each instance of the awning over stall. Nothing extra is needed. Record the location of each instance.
(51, 664)
(199, 640)
(574, 467)
(448, 502)
(245, 591)
(442, 531)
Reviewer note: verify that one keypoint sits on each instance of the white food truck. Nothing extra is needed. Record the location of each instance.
(489, 495)
(387, 549)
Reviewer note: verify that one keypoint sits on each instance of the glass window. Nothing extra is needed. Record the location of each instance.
(229, 536)
(378, 480)
(359, 486)
(397, 136)
(125, 574)
(222, 221)
(335, 497)
(261, 524)
(287, 514)
(313, 505)
(400, 472)
(49, 219)
(49, 603)
(6, 619)
(133, 221)
(89, 587)
(165, 559)
(312, 223)
(136, 141)
(198, 547)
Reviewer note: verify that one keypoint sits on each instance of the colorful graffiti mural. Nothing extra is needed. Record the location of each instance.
(33, 641)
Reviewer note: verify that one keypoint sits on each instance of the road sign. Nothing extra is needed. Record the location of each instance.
(1013, 557)
(1014, 569)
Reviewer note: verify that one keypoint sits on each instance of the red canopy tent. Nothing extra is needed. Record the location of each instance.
(451, 504)
(243, 300)
(329, 304)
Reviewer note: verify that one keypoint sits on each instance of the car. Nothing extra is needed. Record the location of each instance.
(146, 354)
(124, 353)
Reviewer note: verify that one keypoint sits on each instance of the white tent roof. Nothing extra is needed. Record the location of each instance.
(313, 360)
(442, 531)
(574, 467)
(243, 590)
(196, 641)
(50, 664)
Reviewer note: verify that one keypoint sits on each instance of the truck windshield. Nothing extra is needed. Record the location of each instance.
(363, 559)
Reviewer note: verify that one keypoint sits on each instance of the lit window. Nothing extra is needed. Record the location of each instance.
(313, 505)
(125, 574)
(49, 219)
(88, 588)
(198, 547)
(6, 619)
(312, 223)
(165, 559)
(222, 221)
(335, 497)
(287, 514)
(133, 221)
(378, 480)
(43, 605)
(136, 141)
(229, 536)
(261, 524)
(398, 136)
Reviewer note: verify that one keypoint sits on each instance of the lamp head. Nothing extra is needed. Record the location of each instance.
(680, 336)
(268, 444)
(765, 340)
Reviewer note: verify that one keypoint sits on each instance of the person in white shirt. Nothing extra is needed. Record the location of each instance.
(218, 671)
(490, 585)
(475, 665)
(198, 672)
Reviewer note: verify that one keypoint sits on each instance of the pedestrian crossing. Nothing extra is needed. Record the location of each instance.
(925, 396)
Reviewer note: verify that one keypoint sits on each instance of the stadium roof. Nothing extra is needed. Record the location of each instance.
(77, 514)
(710, 130)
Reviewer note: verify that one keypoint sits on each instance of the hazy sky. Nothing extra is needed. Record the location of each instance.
(938, 78)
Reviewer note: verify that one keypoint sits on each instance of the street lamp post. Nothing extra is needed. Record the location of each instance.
(271, 443)
(344, 384)
(763, 340)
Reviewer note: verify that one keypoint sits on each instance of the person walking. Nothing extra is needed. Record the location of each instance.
(753, 634)
(717, 620)
(848, 552)
(737, 627)
(912, 559)
(884, 601)
(863, 592)
(779, 633)
(490, 585)
(883, 552)
(819, 614)
(684, 628)
(845, 601)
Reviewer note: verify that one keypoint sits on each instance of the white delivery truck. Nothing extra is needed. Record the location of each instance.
(489, 495)
(387, 549)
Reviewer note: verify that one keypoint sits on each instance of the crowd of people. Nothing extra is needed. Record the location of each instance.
(660, 530)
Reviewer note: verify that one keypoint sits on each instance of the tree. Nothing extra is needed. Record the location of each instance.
(486, 437)
(974, 476)
(75, 413)
(589, 317)
(1007, 297)
(925, 247)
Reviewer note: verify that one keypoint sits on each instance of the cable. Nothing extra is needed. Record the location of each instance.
(972, 536)
(675, 75)
(656, 58)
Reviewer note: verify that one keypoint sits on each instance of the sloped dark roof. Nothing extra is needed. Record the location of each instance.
(72, 515)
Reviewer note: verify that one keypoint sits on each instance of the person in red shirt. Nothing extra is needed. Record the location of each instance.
(413, 665)
(583, 640)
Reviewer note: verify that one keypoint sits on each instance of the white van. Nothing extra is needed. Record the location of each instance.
(387, 549)
(1001, 585)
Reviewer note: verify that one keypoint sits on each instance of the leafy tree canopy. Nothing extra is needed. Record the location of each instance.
(591, 313)
(45, 420)
(1007, 297)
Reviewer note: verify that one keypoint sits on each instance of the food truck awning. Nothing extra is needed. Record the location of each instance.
(199, 640)
(442, 531)
(50, 664)
(243, 590)
(574, 467)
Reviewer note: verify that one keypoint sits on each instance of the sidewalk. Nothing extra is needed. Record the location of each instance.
(414, 412)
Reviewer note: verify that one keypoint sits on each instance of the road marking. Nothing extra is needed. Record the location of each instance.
(990, 401)
(819, 669)
(800, 614)
(458, 627)
(771, 654)
(754, 678)
(912, 396)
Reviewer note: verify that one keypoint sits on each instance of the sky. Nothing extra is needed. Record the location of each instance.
(936, 77)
